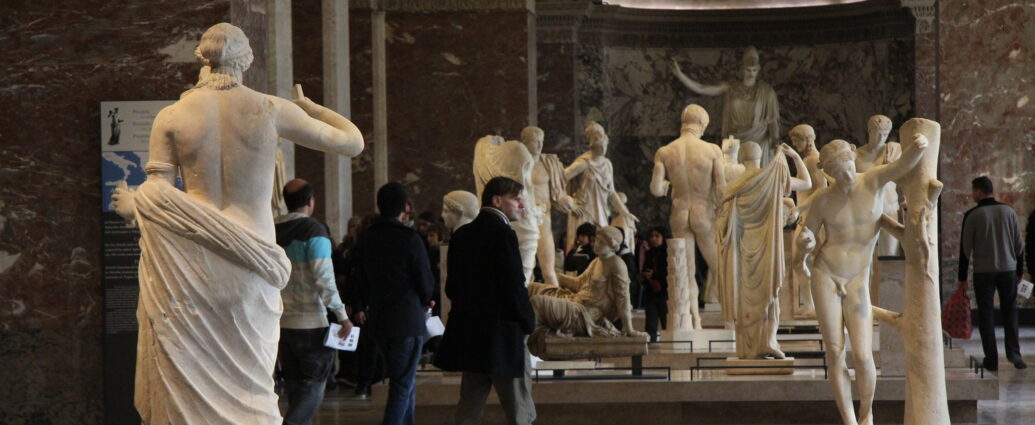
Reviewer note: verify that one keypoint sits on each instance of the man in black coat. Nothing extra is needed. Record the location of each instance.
(491, 315)
(393, 286)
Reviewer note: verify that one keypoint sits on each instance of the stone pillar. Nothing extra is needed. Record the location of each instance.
(380, 142)
(531, 59)
(679, 317)
(337, 168)
(891, 275)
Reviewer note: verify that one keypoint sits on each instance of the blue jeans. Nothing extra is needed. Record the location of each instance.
(307, 364)
(401, 357)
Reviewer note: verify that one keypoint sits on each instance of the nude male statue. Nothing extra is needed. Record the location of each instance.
(849, 211)
(210, 269)
(803, 138)
(547, 190)
(696, 173)
(878, 151)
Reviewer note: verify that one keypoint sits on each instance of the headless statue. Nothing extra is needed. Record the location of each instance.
(587, 305)
(547, 190)
(750, 110)
(849, 212)
(803, 138)
(210, 269)
(751, 263)
(695, 170)
(878, 151)
(591, 184)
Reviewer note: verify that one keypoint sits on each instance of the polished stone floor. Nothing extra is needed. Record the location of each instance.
(1016, 404)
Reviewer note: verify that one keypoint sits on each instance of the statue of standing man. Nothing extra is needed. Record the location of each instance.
(750, 111)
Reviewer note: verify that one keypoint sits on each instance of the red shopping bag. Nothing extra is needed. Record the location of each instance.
(956, 315)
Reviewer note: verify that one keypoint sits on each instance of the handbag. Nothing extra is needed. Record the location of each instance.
(956, 315)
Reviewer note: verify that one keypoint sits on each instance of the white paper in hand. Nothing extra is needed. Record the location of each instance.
(348, 343)
(1024, 289)
(435, 327)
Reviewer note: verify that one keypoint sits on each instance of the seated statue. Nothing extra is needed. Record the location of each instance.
(588, 304)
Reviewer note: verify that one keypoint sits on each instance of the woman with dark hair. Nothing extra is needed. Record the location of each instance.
(653, 277)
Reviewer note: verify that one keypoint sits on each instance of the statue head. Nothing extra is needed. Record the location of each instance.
(459, 207)
(878, 127)
(751, 153)
(803, 138)
(607, 241)
(694, 120)
(750, 66)
(225, 53)
(532, 138)
(837, 159)
(597, 139)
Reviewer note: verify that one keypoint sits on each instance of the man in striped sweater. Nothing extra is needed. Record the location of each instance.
(310, 292)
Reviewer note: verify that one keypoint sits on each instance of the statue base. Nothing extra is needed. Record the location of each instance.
(739, 366)
(549, 346)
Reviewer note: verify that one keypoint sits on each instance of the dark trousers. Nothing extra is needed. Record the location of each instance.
(401, 357)
(306, 364)
(656, 310)
(985, 286)
(369, 364)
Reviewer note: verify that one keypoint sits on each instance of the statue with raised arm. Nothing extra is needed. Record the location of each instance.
(803, 139)
(696, 173)
(210, 269)
(547, 190)
(731, 154)
(459, 207)
(849, 212)
(750, 237)
(587, 305)
(494, 157)
(878, 151)
(750, 111)
(591, 184)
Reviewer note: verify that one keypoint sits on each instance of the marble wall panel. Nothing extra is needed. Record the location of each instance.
(986, 62)
(59, 63)
(835, 88)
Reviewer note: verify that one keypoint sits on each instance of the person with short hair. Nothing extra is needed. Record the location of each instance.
(393, 279)
(581, 254)
(311, 290)
(491, 315)
(992, 238)
(654, 278)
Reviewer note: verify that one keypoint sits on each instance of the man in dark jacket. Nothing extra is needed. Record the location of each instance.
(491, 315)
(393, 283)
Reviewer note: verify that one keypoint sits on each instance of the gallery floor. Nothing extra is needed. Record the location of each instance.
(1016, 390)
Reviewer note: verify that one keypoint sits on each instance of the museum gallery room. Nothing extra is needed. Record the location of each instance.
(575, 212)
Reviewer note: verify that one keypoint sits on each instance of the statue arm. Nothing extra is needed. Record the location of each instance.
(718, 179)
(619, 206)
(576, 168)
(696, 87)
(568, 282)
(658, 185)
(803, 181)
(316, 127)
(910, 157)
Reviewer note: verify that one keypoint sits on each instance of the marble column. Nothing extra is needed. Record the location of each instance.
(337, 169)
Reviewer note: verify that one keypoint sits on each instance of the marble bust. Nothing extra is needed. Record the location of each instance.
(751, 261)
(210, 268)
(849, 212)
(591, 185)
(459, 207)
(695, 171)
(587, 305)
(750, 110)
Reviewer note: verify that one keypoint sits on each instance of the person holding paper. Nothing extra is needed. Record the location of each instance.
(310, 292)
(992, 238)
(393, 284)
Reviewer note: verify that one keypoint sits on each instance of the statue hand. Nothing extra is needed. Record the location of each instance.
(675, 68)
(630, 218)
(806, 240)
(920, 141)
(307, 105)
(124, 203)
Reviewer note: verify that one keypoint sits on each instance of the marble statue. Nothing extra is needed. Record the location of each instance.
(495, 157)
(731, 154)
(878, 151)
(919, 323)
(627, 227)
(751, 258)
(750, 111)
(695, 170)
(591, 185)
(849, 211)
(587, 305)
(803, 139)
(459, 207)
(210, 268)
(547, 190)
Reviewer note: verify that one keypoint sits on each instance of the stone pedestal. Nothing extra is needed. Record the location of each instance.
(891, 274)
(699, 339)
(772, 367)
(550, 346)
(679, 315)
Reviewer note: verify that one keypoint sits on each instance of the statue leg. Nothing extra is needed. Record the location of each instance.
(801, 294)
(702, 222)
(831, 326)
(528, 240)
(858, 315)
(680, 224)
(545, 252)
